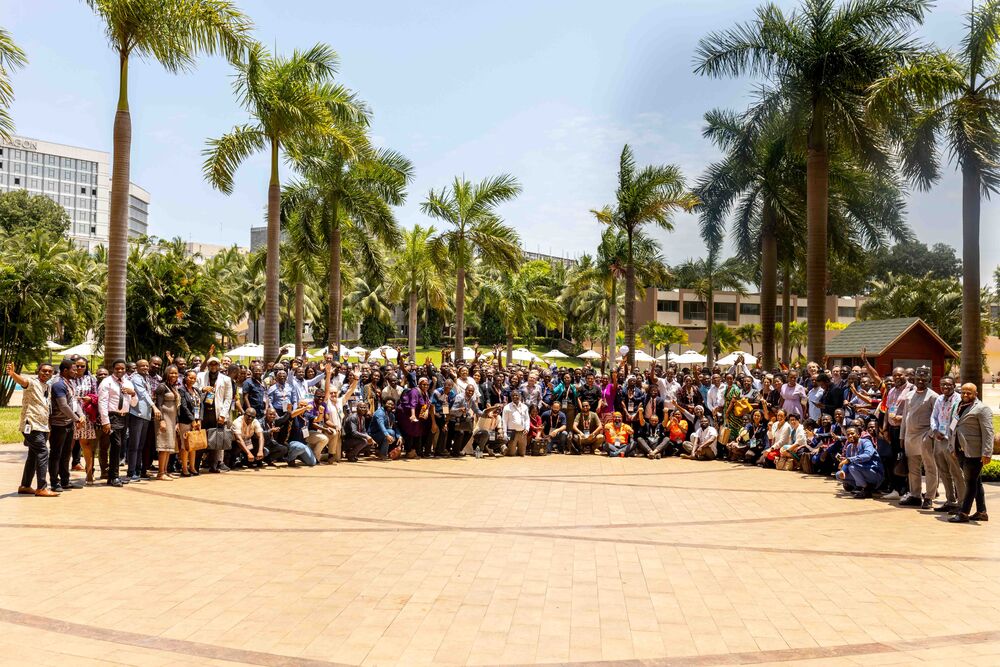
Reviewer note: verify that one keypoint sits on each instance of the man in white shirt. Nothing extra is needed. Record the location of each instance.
(701, 447)
(669, 387)
(114, 398)
(716, 396)
(249, 436)
(515, 421)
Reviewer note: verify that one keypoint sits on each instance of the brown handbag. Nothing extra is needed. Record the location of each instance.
(196, 440)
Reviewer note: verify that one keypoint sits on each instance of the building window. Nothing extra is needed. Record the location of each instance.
(93, 229)
(725, 311)
(17, 181)
(694, 310)
(801, 311)
(749, 309)
(847, 311)
(666, 306)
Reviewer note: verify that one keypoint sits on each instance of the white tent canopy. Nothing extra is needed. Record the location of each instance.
(357, 351)
(690, 357)
(53, 346)
(344, 352)
(390, 353)
(589, 354)
(668, 356)
(555, 354)
(87, 348)
(730, 359)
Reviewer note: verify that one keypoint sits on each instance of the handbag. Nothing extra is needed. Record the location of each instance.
(218, 438)
(724, 435)
(901, 468)
(742, 407)
(196, 440)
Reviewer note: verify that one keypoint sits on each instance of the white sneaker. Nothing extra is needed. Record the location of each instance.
(892, 496)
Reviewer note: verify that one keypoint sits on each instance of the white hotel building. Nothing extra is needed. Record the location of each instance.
(79, 179)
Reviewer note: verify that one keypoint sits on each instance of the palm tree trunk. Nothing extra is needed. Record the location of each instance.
(709, 323)
(460, 314)
(300, 296)
(271, 300)
(786, 316)
(510, 348)
(972, 341)
(114, 327)
(817, 196)
(630, 304)
(412, 316)
(613, 324)
(336, 305)
(768, 286)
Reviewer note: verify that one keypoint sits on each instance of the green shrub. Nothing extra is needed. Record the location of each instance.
(991, 471)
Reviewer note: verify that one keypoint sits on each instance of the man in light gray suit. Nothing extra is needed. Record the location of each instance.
(918, 440)
(973, 430)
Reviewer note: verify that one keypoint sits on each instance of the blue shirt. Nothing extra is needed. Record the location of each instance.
(144, 408)
(279, 396)
(256, 395)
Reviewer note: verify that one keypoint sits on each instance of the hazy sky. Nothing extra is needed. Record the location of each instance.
(548, 90)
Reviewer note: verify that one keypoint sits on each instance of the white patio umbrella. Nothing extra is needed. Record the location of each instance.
(642, 357)
(52, 346)
(87, 348)
(524, 354)
(390, 353)
(730, 358)
(668, 356)
(357, 351)
(690, 357)
(344, 352)
(555, 354)
(589, 354)
(252, 350)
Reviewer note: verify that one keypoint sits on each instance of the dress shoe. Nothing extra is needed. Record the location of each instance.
(926, 504)
(959, 518)
(115, 482)
(947, 507)
(980, 516)
(912, 501)
(25, 490)
(77, 467)
(46, 493)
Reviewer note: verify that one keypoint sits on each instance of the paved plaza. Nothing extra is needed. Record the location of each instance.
(554, 559)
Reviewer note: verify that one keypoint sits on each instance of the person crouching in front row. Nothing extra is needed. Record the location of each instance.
(701, 447)
(860, 466)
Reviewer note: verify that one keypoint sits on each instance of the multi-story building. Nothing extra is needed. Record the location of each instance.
(78, 179)
(683, 308)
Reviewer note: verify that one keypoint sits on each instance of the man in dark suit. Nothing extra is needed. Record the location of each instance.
(973, 433)
(356, 436)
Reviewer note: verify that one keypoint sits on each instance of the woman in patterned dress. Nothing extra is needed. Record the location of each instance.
(85, 388)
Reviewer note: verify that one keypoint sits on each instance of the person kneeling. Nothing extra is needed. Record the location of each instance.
(860, 466)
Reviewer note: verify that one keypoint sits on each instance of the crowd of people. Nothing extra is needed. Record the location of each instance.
(896, 437)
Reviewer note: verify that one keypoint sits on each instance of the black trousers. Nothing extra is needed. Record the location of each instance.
(896, 482)
(972, 468)
(116, 445)
(138, 429)
(37, 463)
(60, 451)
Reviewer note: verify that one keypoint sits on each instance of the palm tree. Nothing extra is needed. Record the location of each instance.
(11, 58)
(798, 334)
(347, 187)
(649, 195)
(760, 184)
(752, 333)
(723, 339)
(957, 96)
(822, 61)
(286, 98)
(476, 231)
(418, 266)
(172, 32)
(519, 297)
(706, 276)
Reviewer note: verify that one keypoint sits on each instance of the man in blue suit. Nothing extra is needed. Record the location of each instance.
(860, 465)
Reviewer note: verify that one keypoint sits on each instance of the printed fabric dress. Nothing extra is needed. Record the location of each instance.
(166, 401)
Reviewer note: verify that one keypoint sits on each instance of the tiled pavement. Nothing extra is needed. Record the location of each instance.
(540, 560)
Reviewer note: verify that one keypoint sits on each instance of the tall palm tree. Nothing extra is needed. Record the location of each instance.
(300, 266)
(519, 297)
(760, 184)
(723, 339)
(347, 187)
(752, 333)
(708, 275)
(286, 98)
(476, 230)
(172, 32)
(644, 196)
(958, 99)
(11, 58)
(822, 60)
(418, 266)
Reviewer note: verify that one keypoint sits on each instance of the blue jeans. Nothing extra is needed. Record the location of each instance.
(297, 451)
(615, 450)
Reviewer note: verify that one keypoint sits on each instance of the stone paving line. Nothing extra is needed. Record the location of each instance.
(557, 560)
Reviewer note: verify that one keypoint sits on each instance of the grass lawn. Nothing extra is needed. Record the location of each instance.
(8, 425)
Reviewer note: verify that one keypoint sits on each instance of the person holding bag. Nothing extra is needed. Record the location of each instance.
(217, 401)
(189, 433)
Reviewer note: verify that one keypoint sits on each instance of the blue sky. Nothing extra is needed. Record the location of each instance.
(548, 90)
